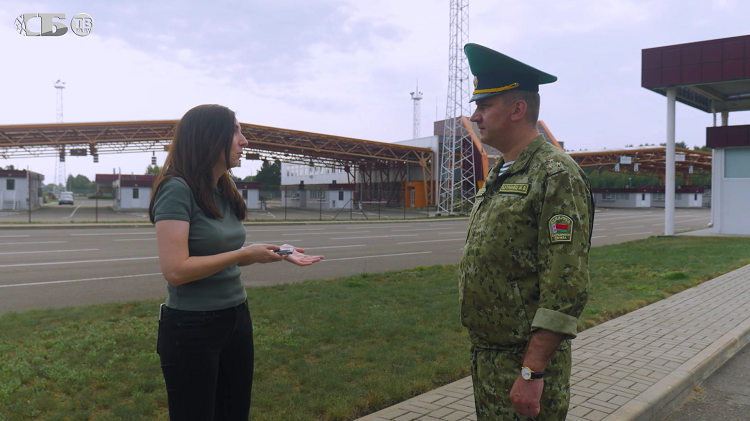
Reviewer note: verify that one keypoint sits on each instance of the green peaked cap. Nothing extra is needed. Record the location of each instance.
(495, 73)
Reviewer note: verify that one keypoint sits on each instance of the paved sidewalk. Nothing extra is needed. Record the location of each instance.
(636, 367)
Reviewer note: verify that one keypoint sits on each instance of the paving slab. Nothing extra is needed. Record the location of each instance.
(637, 367)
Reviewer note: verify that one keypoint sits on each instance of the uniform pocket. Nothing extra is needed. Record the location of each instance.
(521, 305)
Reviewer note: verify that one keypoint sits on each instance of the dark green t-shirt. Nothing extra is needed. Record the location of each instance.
(207, 237)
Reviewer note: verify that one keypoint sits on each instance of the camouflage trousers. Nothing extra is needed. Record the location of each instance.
(493, 373)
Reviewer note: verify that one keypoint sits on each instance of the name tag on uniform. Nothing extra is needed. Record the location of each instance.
(522, 189)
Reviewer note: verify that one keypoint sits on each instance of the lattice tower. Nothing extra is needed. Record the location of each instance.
(60, 172)
(457, 181)
(416, 96)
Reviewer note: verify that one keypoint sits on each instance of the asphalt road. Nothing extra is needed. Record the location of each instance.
(725, 396)
(58, 267)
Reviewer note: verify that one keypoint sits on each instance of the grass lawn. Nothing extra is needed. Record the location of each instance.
(325, 350)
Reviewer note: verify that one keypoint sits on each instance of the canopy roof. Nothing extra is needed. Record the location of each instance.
(709, 75)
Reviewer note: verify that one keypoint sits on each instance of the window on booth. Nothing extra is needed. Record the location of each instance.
(10, 184)
(244, 194)
(643, 196)
(135, 192)
(341, 195)
(735, 163)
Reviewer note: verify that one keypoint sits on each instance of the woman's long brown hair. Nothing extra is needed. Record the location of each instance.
(201, 136)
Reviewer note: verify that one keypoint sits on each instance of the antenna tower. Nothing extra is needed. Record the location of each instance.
(416, 96)
(60, 162)
(457, 181)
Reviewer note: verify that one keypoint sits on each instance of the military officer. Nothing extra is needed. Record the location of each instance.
(524, 273)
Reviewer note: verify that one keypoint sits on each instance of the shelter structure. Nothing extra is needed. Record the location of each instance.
(714, 77)
(375, 162)
(648, 160)
(20, 189)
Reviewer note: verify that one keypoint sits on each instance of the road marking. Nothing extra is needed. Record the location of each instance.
(601, 236)
(46, 251)
(78, 261)
(688, 220)
(707, 220)
(455, 232)
(299, 229)
(34, 242)
(74, 212)
(415, 229)
(376, 236)
(318, 233)
(444, 224)
(119, 233)
(379, 255)
(627, 228)
(630, 222)
(13, 236)
(134, 239)
(635, 233)
(271, 241)
(79, 280)
(333, 247)
(432, 241)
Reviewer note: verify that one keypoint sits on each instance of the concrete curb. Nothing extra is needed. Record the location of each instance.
(660, 399)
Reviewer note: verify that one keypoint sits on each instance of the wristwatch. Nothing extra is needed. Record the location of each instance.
(527, 374)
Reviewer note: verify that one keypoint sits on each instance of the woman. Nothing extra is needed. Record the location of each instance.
(205, 339)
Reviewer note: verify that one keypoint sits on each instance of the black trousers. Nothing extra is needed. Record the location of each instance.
(207, 360)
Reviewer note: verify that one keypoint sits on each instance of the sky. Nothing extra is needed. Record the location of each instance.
(346, 67)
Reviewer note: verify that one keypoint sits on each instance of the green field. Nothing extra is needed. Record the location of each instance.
(325, 350)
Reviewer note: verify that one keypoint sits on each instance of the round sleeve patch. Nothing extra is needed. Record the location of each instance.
(561, 229)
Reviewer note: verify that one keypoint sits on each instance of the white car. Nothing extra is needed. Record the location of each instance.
(66, 198)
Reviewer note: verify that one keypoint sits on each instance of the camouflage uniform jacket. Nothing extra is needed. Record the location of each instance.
(525, 263)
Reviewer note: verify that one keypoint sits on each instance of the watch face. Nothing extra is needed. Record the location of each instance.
(526, 373)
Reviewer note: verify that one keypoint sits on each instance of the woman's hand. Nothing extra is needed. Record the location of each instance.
(299, 258)
(259, 253)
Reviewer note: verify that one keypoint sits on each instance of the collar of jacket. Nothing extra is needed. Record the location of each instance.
(521, 163)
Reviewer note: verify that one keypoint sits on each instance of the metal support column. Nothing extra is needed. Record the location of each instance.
(669, 188)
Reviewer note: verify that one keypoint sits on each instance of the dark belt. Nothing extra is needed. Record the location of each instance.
(243, 306)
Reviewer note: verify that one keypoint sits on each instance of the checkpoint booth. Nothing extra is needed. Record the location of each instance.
(649, 196)
(103, 184)
(20, 189)
(132, 192)
(714, 77)
(250, 194)
(324, 196)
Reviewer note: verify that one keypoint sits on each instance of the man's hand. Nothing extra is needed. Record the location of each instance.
(525, 396)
